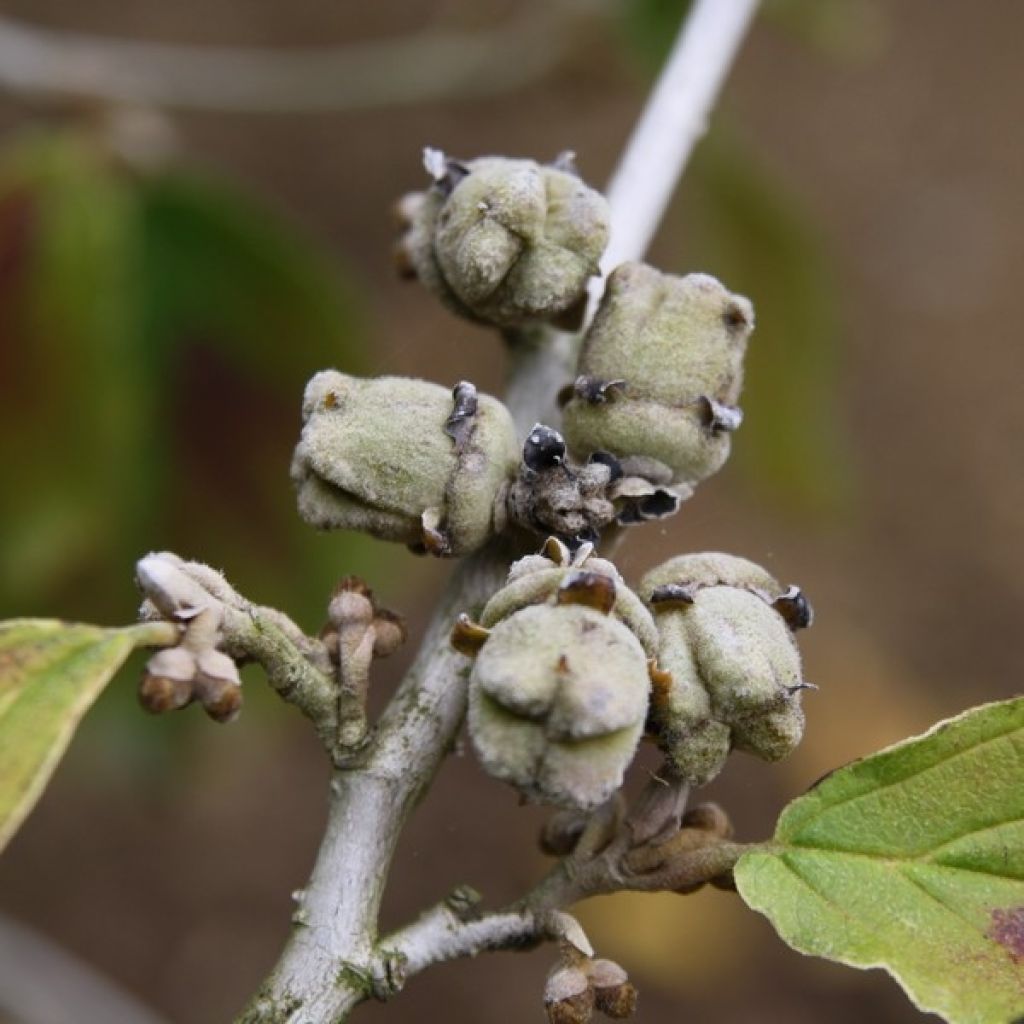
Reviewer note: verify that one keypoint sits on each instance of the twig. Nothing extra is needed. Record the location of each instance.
(418, 68)
(444, 934)
(654, 158)
(333, 957)
(297, 666)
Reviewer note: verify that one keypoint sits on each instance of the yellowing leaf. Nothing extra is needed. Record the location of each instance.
(50, 674)
(912, 860)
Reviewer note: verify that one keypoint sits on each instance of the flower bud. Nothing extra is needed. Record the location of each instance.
(568, 996)
(614, 994)
(502, 241)
(194, 670)
(167, 684)
(559, 690)
(217, 685)
(730, 669)
(404, 460)
(660, 372)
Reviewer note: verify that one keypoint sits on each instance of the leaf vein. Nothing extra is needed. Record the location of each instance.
(874, 790)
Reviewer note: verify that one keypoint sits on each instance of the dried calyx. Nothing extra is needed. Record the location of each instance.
(194, 670)
(504, 242)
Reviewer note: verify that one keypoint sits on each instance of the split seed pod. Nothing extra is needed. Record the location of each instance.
(502, 241)
(730, 669)
(404, 460)
(660, 373)
(559, 689)
(555, 496)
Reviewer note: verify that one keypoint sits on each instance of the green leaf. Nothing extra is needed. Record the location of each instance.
(912, 860)
(50, 674)
(650, 26)
(226, 271)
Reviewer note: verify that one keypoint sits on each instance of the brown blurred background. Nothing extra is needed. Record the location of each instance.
(169, 280)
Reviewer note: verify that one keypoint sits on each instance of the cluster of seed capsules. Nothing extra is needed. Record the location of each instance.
(572, 667)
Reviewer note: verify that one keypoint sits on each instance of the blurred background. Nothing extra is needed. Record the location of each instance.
(170, 277)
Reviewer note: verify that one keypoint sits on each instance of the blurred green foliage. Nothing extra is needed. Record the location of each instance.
(753, 233)
(156, 330)
(750, 230)
(650, 27)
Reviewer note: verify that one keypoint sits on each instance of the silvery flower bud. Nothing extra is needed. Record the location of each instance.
(503, 241)
(729, 666)
(167, 683)
(660, 373)
(559, 689)
(193, 670)
(614, 994)
(568, 996)
(217, 685)
(404, 460)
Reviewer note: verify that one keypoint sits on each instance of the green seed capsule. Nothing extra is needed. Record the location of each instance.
(504, 242)
(660, 373)
(730, 668)
(559, 689)
(404, 460)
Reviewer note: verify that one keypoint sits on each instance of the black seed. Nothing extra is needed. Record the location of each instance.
(544, 448)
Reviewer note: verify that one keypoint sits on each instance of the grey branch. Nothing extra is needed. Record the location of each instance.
(654, 159)
(418, 68)
(450, 929)
(334, 958)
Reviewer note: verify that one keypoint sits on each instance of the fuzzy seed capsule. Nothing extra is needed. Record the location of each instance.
(660, 373)
(559, 689)
(404, 460)
(504, 242)
(731, 673)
